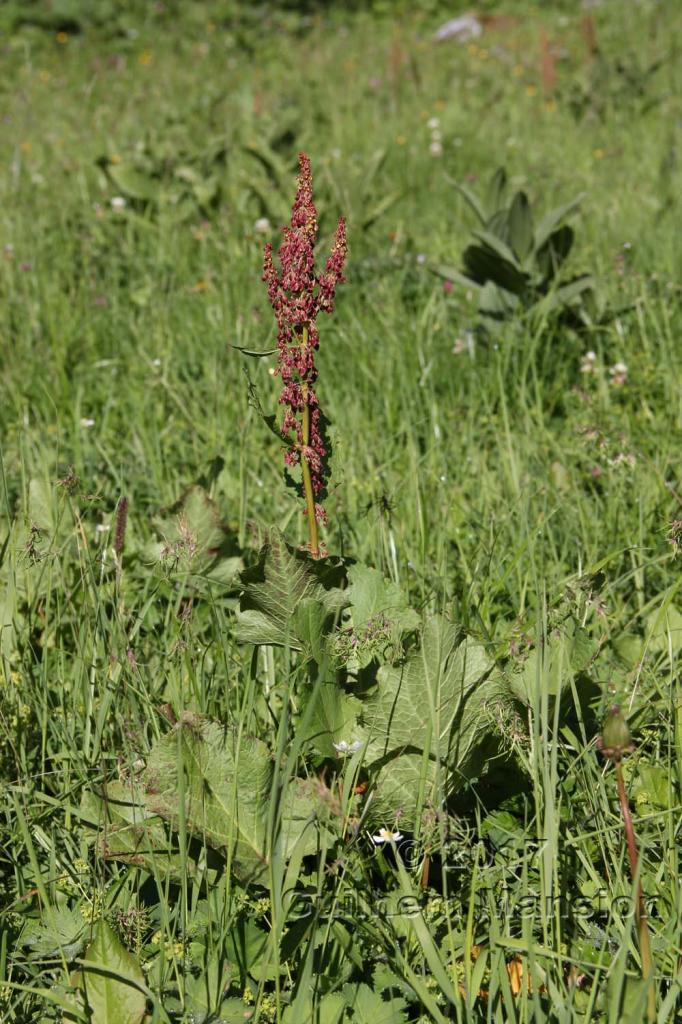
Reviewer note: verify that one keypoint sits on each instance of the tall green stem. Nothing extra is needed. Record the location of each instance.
(305, 468)
(640, 910)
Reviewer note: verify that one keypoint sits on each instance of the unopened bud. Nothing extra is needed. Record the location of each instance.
(615, 740)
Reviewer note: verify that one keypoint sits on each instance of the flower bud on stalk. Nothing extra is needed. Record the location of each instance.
(297, 294)
(614, 742)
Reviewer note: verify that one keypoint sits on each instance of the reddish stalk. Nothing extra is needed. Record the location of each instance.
(614, 743)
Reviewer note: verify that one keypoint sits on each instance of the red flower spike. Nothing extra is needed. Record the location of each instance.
(297, 294)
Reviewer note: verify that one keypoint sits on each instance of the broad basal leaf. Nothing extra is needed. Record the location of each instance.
(114, 994)
(370, 595)
(444, 699)
(277, 585)
(225, 783)
(368, 1007)
(333, 719)
(196, 539)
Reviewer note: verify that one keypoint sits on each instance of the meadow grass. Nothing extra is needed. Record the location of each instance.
(495, 484)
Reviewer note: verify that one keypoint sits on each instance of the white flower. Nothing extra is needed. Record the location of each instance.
(87, 423)
(436, 148)
(619, 368)
(262, 226)
(384, 835)
(464, 28)
(433, 123)
(588, 364)
(344, 747)
(118, 204)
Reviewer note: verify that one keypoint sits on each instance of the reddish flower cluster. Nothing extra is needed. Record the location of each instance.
(297, 294)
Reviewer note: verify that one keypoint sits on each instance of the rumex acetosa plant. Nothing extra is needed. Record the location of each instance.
(297, 294)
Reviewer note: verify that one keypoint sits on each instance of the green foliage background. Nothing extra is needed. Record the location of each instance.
(492, 482)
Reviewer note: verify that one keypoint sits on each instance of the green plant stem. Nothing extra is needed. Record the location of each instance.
(305, 469)
(640, 910)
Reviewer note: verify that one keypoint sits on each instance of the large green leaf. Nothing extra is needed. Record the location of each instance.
(444, 699)
(222, 784)
(496, 191)
(520, 223)
(59, 932)
(129, 832)
(551, 221)
(111, 983)
(370, 595)
(555, 251)
(333, 719)
(134, 183)
(496, 302)
(368, 1007)
(196, 540)
(277, 585)
(483, 264)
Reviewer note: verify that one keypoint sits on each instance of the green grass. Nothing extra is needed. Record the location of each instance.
(500, 487)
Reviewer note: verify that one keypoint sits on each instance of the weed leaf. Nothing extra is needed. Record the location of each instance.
(114, 993)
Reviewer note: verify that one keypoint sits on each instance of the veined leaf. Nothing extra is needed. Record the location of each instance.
(225, 784)
(496, 190)
(500, 248)
(334, 718)
(520, 226)
(369, 1008)
(133, 183)
(452, 274)
(369, 595)
(552, 220)
(275, 588)
(484, 264)
(472, 201)
(443, 700)
(111, 983)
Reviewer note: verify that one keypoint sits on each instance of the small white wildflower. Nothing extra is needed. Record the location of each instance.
(118, 204)
(588, 362)
(436, 148)
(156, 362)
(344, 747)
(385, 835)
(619, 374)
(421, 259)
(433, 123)
(463, 28)
(87, 423)
(102, 527)
(262, 226)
